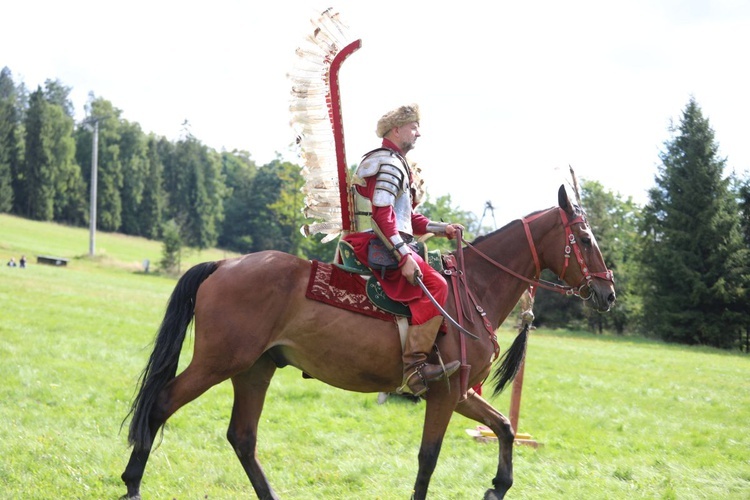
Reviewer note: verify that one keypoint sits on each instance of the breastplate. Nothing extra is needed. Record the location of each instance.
(402, 210)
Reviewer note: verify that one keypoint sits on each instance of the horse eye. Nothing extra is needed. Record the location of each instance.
(586, 240)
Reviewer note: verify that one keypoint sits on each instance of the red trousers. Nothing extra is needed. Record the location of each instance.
(398, 288)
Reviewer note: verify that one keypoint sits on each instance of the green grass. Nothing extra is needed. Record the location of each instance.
(618, 417)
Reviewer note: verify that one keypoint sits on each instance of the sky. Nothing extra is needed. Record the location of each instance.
(511, 93)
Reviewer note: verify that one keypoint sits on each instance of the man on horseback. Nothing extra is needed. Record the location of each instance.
(385, 181)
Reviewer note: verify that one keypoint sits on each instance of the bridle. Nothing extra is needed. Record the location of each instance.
(571, 246)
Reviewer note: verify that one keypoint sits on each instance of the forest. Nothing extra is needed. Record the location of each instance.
(681, 261)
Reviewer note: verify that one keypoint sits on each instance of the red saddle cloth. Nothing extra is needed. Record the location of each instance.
(331, 285)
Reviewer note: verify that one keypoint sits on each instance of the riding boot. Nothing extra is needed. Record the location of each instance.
(419, 342)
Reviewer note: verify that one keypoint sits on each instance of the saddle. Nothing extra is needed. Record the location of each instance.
(374, 291)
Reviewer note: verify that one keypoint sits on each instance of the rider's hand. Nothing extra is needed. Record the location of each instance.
(451, 230)
(409, 269)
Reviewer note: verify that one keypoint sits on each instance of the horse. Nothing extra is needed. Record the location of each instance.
(251, 317)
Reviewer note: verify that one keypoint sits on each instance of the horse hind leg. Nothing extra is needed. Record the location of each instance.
(184, 388)
(250, 389)
(476, 408)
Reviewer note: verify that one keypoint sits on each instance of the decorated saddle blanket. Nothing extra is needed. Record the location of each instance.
(351, 286)
(332, 285)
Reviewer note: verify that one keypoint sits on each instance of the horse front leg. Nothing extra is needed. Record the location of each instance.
(476, 408)
(438, 412)
(249, 394)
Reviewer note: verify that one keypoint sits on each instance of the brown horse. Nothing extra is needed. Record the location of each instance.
(251, 317)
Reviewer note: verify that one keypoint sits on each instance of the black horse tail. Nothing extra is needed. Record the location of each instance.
(162, 365)
(510, 361)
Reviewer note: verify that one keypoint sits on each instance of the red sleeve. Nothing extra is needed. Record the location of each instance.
(419, 223)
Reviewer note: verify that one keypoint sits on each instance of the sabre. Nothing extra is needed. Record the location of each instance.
(447, 316)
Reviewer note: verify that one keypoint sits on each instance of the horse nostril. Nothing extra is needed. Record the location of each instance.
(611, 299)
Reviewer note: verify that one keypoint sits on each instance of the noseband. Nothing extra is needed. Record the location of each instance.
(571, 246)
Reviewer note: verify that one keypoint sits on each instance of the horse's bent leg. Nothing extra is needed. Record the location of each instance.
(440, 406)
(134, 470)
(249, 394)
(184, 388)
(476, 408)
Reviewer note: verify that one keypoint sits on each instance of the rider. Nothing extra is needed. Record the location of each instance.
(385, 178)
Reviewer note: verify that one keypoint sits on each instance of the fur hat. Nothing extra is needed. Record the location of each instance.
(397, 118)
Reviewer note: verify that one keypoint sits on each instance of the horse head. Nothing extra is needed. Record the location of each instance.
(581, 265)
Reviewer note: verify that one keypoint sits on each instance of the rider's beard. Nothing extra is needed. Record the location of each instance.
(407, 146)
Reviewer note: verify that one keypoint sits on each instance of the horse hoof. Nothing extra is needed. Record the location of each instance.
(493, 495)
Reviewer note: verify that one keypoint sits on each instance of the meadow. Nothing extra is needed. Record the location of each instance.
(618, 417)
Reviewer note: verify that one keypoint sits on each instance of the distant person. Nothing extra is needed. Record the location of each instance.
(22, 262)
(12, 262)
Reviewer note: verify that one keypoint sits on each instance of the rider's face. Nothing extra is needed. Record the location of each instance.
(406, 136)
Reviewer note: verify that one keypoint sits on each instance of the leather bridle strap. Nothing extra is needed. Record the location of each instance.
(536, 281)
(573, 244)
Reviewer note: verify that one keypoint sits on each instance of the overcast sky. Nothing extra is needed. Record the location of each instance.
(511, 93)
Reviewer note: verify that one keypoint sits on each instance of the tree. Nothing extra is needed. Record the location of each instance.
(267, 186)
(742, 189)
(172, 248)
(152, 204)
(743, 195)
(11, 145)
(442, 210)
(288, 208)
(58, 94)
(614, 222)
(239, 171)
(70, 189)
(36, 186)
(135, 169)
(195, 188)
(692, 242)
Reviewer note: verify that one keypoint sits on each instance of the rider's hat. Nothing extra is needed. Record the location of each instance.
(397, 118)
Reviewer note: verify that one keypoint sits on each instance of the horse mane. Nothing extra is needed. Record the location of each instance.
(576, 209)
(483, 237)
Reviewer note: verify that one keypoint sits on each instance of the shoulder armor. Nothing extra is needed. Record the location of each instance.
(371, 164)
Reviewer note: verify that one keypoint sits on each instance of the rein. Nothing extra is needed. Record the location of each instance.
(572, 245)
(454, 267)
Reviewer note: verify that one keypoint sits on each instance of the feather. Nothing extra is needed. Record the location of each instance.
(310, 108)
(575, 185)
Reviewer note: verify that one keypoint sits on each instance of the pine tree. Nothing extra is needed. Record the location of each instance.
(135, 170)
(37, 178)
(742, 190)
(152, 204)
(10, 139)
(239, 170)
(692, 242)
(195, 190)
(69, 204)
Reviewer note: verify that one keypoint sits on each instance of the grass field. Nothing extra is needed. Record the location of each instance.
(618, 417)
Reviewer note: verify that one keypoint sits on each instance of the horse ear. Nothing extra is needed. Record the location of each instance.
(563, 200)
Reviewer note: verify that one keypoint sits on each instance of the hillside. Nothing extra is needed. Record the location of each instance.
(20, 236)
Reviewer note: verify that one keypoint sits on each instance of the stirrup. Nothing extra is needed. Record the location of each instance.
(406, 388)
